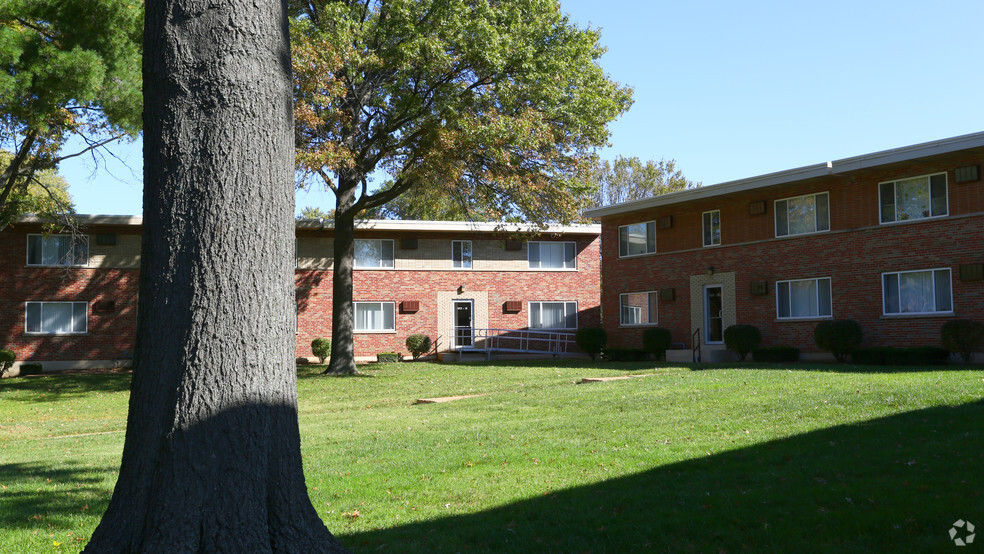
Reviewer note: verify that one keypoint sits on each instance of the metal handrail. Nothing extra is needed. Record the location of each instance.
(696, 342)
(525, 341)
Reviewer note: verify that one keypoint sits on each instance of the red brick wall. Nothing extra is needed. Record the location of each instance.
(314, 297)
(109, 335)
(853, 254)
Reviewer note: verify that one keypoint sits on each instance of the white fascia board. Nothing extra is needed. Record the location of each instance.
(453, 226)
(875, 159)
(90, 219)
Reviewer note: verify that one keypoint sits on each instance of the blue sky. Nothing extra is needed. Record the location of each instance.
(737, 89)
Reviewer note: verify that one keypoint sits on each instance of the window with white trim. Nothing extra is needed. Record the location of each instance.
(552, 255)
(803, 214)
(461, 254)
(63, 250)
(553, 315)
(712, 228)
(56, 318)
(800, 298)
(914, 198)
(373, 253)
(375, 317)
(917, 292)
(638, 308)
(637, 239)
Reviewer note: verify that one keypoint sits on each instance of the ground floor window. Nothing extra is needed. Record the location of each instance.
(57, 318)
(375, 317)
(638, 308)
(803, 298)
(553, 315)
(917, 292)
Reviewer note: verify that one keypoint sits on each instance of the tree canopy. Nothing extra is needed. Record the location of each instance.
(69, 68)
(628, 179)
(44, 195)
(502, 103)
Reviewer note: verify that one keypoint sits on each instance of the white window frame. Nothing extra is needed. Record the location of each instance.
(42, 304)
(382, 261)
(652, 299)
(704, 226)
(816, 282)
(929, 194)
(383, 305)
(537, 306)
(79, 241)
(458, 260)
(898, 285)
(567, 246)
(649, 228)
(817, 228)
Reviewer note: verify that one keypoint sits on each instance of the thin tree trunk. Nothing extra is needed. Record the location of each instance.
(211, 461)
(342, 313)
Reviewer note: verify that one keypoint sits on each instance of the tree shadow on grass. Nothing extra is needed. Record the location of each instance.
(891, 484)
(37, 495)
(56, 387)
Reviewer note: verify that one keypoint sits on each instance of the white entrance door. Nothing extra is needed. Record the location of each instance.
(463, 324)
(713, 314)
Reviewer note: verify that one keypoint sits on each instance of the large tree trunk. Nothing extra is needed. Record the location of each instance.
(342, 313)
(211, 461)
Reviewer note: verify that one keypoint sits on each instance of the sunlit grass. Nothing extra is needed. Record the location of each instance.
(800, 458)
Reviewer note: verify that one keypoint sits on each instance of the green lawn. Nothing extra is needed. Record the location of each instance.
(774, 458)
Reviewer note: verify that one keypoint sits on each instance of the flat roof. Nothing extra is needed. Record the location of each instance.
(377, 225)
(875, 159)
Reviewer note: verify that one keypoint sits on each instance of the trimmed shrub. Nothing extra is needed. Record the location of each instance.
(742, 339)
(321, 347)
(920, 355)
(387, 357)
(839, 337)
(656, 341)
(776, 354)
(30, 369)
(591, 340)
(625, 354)
(418, 345)
(7, 359)
(963, 336)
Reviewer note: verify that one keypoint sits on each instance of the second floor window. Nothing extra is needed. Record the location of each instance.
(461, 254)
(712, 228)
(802, 215)
(57, 250)
(914, 198)
(637, 239)
(373, 253)
(552, 255)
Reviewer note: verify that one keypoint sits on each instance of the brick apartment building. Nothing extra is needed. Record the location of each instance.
(69, 302)
(893, 239)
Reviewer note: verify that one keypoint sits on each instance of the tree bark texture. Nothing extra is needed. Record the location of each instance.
(211, 461)
(342, 314)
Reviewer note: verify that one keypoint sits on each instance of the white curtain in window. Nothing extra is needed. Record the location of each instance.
(803, 298)
(912, 198)
(916, 292)
(374, 316)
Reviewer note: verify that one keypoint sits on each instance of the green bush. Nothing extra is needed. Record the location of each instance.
(656, 341)
(625, 354)
(884, 355)
(30, 369)
(418, 345)
(591, 340)
(839, 337)
(321, 347)
(963, 336)
(387, 357)
(7, 359)
(742, 339)
(776, 354)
